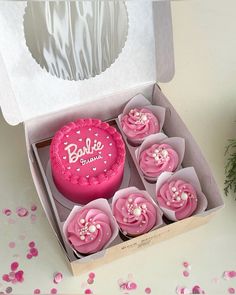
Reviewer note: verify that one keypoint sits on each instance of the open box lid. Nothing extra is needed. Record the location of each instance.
(28, 91)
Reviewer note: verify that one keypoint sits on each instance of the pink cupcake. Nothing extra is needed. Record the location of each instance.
(157, 159)
(138, 123)
(135, 212)
(89, 230)
(178, 196)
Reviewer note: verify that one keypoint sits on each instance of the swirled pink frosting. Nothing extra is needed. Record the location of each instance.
(139, 123)
(157, 159)
(89, 231)
(178, 196)
(135, 214)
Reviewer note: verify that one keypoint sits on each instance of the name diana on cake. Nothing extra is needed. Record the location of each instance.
(75, 153)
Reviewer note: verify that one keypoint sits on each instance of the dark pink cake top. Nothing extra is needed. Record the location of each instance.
(87, 151)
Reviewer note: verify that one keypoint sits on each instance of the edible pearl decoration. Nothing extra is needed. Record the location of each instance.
(179, 196)
(184, 196)
(137, 211)
(92, 228)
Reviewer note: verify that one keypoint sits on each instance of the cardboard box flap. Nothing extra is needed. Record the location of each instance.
(28, 90)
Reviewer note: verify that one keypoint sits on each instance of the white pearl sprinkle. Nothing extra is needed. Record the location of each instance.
(98, 226)
(78, 132)
(137, 211)
(164, 153)
(154, 155)
(130, 200)
(68, 167)
(89, 129)
(156, 151)
(82, 221)
(108, 137)
(105, 162)
(168, 203)
(144, 206)
(110, 143)
(67, 135)
(125, 219)
(178, 198)
(65, 143)
(82, 238)
(137, 114)
(174, 189)
(92, 228)
(78, 169)
(144, 118)
(109, 155)
(184, 196)
(64, 157)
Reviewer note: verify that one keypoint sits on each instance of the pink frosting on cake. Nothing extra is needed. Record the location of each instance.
(178, 196)
(135, 214)
(157, 159)
(139, 123)
(89, 230)
(87, 160)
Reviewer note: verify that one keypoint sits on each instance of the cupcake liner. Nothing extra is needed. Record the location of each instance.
(101, 204)
(178, 144)
(139, 101)
(131, 190)
(188, 175)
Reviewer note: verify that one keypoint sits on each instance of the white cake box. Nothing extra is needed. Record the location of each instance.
(44, 103)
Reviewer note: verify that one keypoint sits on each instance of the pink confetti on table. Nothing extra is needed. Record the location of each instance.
(148, 290)
(90, 281)
(185, 273)
(53, 291)
(231, 291)
(29, 256)
(182, 290)
(57, 277)
(7, 212)
(131, 286)
(230, 274)
(88, 291)
(33, 207)
(37, 291)
(12, 245)
(34, 252)
(22, 212)
(186, 264)
(92, 275)
(12, 276)
(14, 265)
(8, 290)
(31, 244)
(197, 290)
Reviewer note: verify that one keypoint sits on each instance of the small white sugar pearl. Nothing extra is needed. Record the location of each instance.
(92, 228)
(137, 211)
(184, 196)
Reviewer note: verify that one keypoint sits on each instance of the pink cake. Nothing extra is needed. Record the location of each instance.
(139, 123)
(157, 159)
(89, 231)
(135, 214)
(87, 160)
(178, 196)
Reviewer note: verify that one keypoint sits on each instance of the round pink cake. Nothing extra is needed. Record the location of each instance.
(178, 196)
(139, 123)
(87, 160)
(89, 230)
(157, 159)
(135, 214)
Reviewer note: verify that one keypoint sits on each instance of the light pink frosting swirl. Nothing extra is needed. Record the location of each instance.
(157, 159)
(89, 230)
(135, 214)
(139, 123)
(178, 196)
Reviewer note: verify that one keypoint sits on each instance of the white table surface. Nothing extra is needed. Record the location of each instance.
(204, 93)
